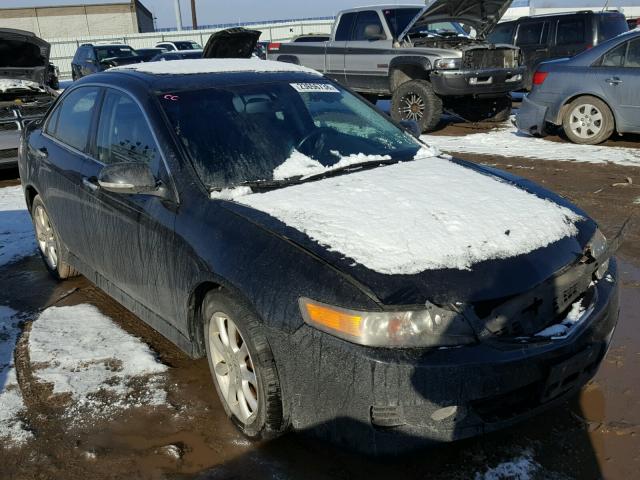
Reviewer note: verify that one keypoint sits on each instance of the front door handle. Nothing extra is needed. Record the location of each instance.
(90, 183)
(613, 81)
(42, 152)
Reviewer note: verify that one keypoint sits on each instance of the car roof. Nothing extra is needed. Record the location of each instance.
(561, 14)
(199, 73)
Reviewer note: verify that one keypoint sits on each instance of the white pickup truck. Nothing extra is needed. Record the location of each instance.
(426, 59)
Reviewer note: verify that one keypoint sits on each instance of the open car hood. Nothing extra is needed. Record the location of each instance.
(483, 15)
(23, 56)
(231, 43)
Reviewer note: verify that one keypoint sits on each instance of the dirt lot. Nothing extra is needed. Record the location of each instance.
(597, 435)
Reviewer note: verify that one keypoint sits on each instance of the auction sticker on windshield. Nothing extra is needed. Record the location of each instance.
(314, 87)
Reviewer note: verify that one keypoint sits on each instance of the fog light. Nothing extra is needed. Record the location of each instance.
(444, 413)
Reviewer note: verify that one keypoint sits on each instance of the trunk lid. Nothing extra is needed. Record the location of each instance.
(23, 56)
(231, 43)
(483, 15)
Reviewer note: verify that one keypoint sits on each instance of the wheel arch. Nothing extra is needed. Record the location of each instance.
(565, 106)
(30, 193)
(407, 68)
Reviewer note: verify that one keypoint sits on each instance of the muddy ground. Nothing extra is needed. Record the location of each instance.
(597, 435)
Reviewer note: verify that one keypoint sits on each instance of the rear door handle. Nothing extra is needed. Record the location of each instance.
(613, 81)
(90, 183)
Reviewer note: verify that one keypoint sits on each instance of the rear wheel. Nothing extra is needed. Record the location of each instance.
(415, 100)
(49, 242)
(242, 366)
(588, 120)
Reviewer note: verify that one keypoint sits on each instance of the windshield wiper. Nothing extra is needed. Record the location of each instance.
(351, 168)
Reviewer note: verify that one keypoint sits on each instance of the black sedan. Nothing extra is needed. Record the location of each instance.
(341, 277)
(591, 95)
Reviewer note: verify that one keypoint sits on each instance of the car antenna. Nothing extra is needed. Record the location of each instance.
(606, 4)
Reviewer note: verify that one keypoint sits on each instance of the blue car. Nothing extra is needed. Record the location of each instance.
(590, 95)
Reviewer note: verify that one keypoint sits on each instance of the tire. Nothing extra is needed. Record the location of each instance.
(588, 121)
(49, 242)
(265, 420)
(416, 100)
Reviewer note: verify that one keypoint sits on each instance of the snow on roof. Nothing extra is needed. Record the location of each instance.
(421, 215)
(214, 65)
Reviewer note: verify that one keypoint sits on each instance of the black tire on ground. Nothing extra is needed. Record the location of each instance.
(499, 109)
(267, 420)
(596, 115)
(61, 270)
(416, 100)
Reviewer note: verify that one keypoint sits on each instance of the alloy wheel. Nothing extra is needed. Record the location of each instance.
(412, 107)
(45, 236)
(585, 121)
(233, 367)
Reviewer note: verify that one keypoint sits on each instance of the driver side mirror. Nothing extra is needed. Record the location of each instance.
(411, 126)
(130, 178)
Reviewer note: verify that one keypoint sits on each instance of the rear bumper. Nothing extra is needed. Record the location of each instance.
(493, 82)
(388, 401)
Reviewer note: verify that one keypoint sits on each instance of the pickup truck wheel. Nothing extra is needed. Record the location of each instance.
(588, 120)
(415, 100)
(242, 365)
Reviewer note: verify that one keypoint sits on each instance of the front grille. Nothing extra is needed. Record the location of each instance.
(9, 153)
(481, 58)
(15, 116)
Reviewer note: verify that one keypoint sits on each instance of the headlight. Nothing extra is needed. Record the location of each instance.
(447, 63)
(428, 327)
(597, 248)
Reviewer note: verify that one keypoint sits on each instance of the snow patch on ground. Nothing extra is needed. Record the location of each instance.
(421, 215)
(520, 468)
(215, 65)
(508, 142)
(16, 230)
(83, 353)
(12, 430)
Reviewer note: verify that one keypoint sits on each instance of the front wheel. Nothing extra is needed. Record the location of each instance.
(416, 100)
(242, 366)
(49, 242)
(588, 120)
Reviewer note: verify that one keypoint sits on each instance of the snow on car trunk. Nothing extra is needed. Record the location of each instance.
(85, 354)
(16, 229)
(12, 429)
(421, 215)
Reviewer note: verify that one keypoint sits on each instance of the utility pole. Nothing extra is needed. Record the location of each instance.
(194, 17)
(176, 3)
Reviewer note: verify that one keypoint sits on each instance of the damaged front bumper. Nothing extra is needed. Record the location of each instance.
(388, 401)
(532, 117)
(485, 82)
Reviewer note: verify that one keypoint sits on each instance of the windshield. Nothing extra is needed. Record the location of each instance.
(274, 131)
(187, 45)
(399, 18)
(439, 28)
(114, 51)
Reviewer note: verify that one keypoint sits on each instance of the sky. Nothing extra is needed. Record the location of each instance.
(220, 11)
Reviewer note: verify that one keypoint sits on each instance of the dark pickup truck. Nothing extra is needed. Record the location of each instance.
(427, 59)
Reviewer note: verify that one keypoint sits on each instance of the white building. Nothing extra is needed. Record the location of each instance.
(109, 18)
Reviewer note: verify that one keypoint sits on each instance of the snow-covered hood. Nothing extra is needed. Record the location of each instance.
(483, 15)
(427, 228)
(23, 56)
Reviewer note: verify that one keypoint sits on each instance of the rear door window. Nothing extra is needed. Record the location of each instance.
(615, 56)
(503, 33)
(343, 33)
(632, 59)
(123, 132)
(75, 116)
(571, 31)
(531, 33)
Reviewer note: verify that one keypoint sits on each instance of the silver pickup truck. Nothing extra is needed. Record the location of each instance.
(427, 59)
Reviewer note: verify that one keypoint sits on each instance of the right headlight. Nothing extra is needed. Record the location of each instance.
(430, 326)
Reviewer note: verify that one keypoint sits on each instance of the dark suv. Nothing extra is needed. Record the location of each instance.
(545, 37)
(92, 58)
